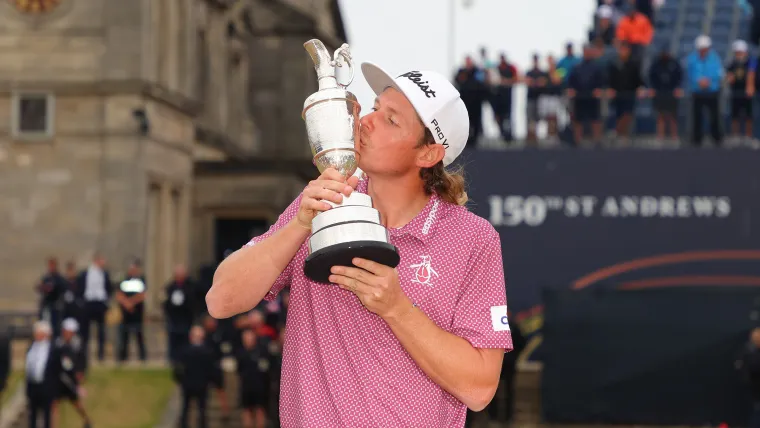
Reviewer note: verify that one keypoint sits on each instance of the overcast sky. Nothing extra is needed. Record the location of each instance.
(403, 34)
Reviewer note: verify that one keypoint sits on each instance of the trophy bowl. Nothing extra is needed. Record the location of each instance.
(352, 228)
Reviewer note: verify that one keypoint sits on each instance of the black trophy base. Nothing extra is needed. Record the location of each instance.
(319, 263)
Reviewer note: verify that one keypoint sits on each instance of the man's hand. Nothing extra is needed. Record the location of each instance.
(377, 286)
(330, 186)
(704, 82)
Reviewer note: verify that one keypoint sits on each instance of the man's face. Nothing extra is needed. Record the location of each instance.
(100, 262)
(389, 137)
(67, 335)
(249, 339)
(52, 265)
(209, 324)
(741, 55)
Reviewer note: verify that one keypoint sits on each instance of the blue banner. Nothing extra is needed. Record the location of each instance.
(628, 219)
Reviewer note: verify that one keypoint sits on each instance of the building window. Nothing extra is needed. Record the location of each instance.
(32, 115)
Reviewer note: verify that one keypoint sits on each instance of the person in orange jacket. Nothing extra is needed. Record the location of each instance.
(635, 29)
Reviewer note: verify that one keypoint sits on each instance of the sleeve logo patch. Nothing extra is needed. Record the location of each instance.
(499, 318)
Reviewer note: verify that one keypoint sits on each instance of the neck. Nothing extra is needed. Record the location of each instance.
(399, 200)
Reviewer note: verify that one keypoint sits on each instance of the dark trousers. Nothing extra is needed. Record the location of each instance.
(94, 312)
(700, 103)
(39, 407)
(126, 330)
(508, 379)
(178, 340)
(754, 418)
(200, 398)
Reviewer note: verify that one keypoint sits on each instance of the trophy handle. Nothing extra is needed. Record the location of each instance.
(338, 62)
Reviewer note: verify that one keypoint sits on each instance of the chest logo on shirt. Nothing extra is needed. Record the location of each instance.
(178, 298)
(424, 272)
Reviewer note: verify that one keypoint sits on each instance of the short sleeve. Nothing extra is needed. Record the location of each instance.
(480, 315)
(753, 64)
(286, 276)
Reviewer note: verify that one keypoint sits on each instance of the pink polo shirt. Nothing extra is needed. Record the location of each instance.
(342, 365)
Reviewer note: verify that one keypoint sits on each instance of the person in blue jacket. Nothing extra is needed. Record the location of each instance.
(704, 70)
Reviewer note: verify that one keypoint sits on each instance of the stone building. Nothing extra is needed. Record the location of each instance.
(163, 130)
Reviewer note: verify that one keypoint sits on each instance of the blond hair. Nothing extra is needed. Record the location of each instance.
(447, 184)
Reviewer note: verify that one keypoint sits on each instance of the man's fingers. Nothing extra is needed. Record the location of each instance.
(332, 174)
(370, 266)
(318, 193)
(353, 181)
(356, 273)
(351, 284)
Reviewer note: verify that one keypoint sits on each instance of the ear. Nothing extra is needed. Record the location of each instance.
(430, 155)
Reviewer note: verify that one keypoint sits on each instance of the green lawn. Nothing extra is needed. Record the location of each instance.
(14, 380)
(122, 398)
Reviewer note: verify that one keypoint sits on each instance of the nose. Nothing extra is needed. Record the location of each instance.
(367, 122)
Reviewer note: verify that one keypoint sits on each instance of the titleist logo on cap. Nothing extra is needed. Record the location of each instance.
(416, 77)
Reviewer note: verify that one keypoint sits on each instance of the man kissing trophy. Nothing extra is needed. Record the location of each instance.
(352, 228)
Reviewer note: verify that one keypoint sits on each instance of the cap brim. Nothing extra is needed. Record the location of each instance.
(379, 80)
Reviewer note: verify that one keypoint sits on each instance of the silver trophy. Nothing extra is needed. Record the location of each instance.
(352, 228)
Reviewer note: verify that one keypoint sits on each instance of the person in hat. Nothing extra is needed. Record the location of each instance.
(741, 103)
(72, 369)
(705, 77)
(382, 346)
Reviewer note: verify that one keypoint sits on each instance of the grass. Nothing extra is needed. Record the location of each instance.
(14, 380)
(122, 398)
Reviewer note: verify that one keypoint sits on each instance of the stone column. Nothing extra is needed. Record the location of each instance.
(173, 44)
(183, 225)
(167, 229)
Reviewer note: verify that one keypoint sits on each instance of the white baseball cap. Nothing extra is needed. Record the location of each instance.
(703, 42)
(70, 324)
(436, 101)
(604, 11)
(740, 46)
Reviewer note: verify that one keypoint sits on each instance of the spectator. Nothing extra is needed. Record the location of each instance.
(43, 369)
(508, 374)
(614, 6)
(131, 295)
(179, 310)
(604, 28)
(97, 288)
(193, 370)
(636, 30)
(741, 102)
(567, 62)
(585, 89)
(550, 103)
(705, 75)
(508, 76)
(74, 305)
(51, 288)
(215, 342)
(625, 85)
(665, 78)
(536, 80)
(470, 82)
(72, 370)
(254, 370)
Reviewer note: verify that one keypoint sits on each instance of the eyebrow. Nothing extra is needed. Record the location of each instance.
(391, 109)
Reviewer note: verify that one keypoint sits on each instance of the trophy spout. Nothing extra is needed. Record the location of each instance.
(323, 64)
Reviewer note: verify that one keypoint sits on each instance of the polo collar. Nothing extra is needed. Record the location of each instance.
(422, 226)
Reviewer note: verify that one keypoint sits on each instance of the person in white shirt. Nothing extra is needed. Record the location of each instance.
(95, 284)
(42, 369)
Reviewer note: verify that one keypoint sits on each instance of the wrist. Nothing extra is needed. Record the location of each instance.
(400, 312)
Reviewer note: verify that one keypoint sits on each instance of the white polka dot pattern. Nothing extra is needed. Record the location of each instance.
(342, 365)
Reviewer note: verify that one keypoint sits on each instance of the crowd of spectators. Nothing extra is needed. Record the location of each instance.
(599, 91)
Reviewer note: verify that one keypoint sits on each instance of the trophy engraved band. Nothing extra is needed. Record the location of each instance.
(352, 228)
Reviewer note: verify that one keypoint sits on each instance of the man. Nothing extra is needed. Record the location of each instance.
(537, 81)
(625, 85)
(584, 88)
(51, 288)
(131, 295)
(95, 283)
(193, 369)
(179, 310)
(382, 346)
(72, 369)
(741, 102)
(43, 368)
(6, 335)
(705, 76)
(502, 104)
(636, 30)
(254, 365)
(74, 305)
(665, 78)
(470, 81)
(216, 343)
(604, 29)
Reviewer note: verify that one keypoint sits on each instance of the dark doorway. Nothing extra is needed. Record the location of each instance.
(233, 233)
